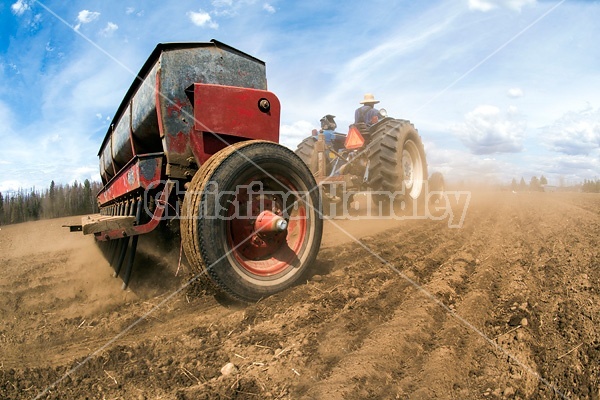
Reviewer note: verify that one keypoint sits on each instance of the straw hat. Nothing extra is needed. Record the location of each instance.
(369, 99)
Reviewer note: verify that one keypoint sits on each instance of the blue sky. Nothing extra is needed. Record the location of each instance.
(497, 88)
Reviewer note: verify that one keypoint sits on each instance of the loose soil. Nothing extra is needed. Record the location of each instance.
(505, 306)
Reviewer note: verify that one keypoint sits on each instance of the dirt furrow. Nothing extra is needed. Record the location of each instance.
(510, 308)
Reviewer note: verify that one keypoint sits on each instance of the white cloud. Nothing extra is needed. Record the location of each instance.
(202, 19)
(566, 169)
(49, 140)
(222, 3)
(109, 29)
(385, 53)
(7, 118)
(10, 185)
(487, 130)
(14, 67)
(459, 165)
(131, 10)
(56, 155)
(488, 5)
(515, 93)
(575, 133)
(87, 85)
(230, 8)
(575, 164)
(269, 8)
(292, 135)
(19, 7)
(481, 5)
(35, 22)
(85, 17)
(86, 172)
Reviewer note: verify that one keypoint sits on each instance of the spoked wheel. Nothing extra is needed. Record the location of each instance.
(251, 220)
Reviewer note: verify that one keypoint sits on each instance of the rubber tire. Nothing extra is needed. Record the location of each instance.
(436, 184)
(205, 240)
(386, 172)
(306, 151)
(437, 201)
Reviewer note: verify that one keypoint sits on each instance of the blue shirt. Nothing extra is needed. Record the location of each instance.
(328, 137)
(365, 114)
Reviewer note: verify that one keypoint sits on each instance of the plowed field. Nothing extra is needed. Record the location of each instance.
(505, 306)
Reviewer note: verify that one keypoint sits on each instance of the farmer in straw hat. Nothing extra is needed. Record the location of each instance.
(367, 113)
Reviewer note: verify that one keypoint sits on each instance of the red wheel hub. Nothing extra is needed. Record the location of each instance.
(262, 241)
(269, 223)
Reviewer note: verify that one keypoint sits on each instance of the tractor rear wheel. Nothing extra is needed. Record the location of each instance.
(251, 220)
(306, 151)
(397, 159)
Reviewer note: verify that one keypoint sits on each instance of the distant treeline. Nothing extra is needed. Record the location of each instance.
(56, 201)
(591, 186)
(541, 184)
(535, 184)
